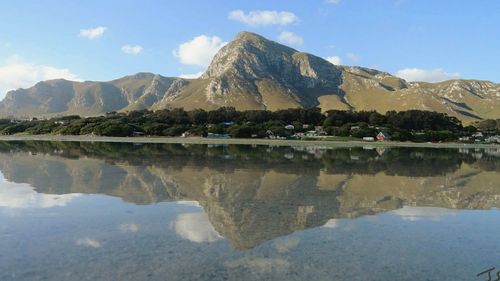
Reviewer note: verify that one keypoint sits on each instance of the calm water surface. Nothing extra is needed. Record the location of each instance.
(83, 211)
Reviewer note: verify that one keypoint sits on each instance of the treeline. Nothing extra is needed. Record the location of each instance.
(421, 162)
(412, 125)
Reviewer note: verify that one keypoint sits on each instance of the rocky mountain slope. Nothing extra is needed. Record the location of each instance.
(252, 72)
(62, 97)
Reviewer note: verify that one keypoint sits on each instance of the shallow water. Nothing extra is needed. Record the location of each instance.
(82, 211)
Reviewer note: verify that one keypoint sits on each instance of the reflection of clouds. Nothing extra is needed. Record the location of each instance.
(88, 242)
(129, 227)
(419, 213)
(189, 203)
(21, 195)
(332, 223)
(263, 265)
(286, 244)
(196, 227)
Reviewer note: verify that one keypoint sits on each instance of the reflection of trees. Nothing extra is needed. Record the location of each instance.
(252, 194)
(395, 161)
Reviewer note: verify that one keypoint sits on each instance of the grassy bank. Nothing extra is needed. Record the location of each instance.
(198, 140)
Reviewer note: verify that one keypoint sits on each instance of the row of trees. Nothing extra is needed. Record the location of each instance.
(413, 162)
(411, 125)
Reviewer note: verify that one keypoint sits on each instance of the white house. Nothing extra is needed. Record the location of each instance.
(478, 135)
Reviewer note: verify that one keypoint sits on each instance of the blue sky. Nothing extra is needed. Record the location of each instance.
(418, 39)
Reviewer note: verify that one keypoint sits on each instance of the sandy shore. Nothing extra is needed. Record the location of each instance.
(198, 140)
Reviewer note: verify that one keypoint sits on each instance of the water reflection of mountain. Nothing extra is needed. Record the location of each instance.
(253, 194)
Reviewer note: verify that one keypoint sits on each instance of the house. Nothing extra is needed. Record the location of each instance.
(383, 136)
(311, 134)
(478, 135)
(320, 131)
(354, 128)
(289, 127)
(368, 138)
(492, 139)
(17, 121)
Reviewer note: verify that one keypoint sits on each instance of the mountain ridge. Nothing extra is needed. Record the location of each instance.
(252, 72)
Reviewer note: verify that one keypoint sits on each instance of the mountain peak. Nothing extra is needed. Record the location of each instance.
(249, 55)
(253, 72)
(247, 35)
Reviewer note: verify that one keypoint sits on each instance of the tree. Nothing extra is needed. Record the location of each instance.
(198, 116)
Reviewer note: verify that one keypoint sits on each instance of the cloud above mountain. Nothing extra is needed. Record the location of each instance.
(291, 38)
(92, 33)
(353, 57)
(334, 59)
(132, 50)
(427, 75)
(262, 18)
(199, 51)
(191, 75)
(16, 73)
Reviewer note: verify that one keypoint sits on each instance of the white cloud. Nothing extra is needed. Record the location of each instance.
(331, 223)
(286, 244)
(191, 75)
(290, 38)
(16, 73)
(191, 203)
(410, 213)
(196, 227)
(426, 75)
(132, 50)
(129, 227)
(353, 57)
(334, 59)
(334, 2)
(23, 196)
(199, 51)
(88, 242)
(92, 33)
(255, 18)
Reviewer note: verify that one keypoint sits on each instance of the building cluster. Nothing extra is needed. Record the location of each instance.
(480, 137)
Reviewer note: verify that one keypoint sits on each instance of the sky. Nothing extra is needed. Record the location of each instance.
(419, 40)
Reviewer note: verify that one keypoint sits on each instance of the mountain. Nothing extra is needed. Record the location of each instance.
(62, 97)
(252, 72)
(263, 197)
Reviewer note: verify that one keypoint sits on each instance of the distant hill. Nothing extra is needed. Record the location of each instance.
(252, 72)
(62, 97)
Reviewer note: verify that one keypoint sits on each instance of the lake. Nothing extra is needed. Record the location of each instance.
(103, 211)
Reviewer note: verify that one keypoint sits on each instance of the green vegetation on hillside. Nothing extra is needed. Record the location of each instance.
(412, 125)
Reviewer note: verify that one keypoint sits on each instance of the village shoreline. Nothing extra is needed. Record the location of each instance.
(215, 141)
